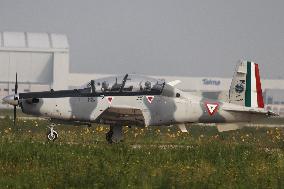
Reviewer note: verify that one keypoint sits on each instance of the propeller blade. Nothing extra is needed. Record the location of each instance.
(15, 98)
(15, 115)
(16, 84)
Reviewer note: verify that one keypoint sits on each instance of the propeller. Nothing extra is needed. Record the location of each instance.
(15, 98)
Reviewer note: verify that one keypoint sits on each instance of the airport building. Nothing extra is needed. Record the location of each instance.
(38, 58)
(42, 63)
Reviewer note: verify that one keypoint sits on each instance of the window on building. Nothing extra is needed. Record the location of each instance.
(269, 100)
(26, 90)
(281, 112)
(6, 90)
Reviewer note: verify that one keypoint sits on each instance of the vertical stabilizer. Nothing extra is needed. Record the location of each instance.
(245, 88)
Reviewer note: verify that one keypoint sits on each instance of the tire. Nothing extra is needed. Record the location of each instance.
(109, 137)
(51, 137)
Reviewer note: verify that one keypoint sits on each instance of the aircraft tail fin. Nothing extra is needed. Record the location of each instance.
(245, 88)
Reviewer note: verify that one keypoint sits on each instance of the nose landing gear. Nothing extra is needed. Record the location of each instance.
(52, 135)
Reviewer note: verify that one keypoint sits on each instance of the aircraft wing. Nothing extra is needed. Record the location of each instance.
(124, 115)
(250, 110)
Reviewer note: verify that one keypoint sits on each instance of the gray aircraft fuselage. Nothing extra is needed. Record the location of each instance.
(133, 100)
(172, 106)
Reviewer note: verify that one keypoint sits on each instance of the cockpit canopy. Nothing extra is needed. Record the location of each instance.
(127, 83)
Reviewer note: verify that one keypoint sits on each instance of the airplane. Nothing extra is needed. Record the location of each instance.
(136, 100)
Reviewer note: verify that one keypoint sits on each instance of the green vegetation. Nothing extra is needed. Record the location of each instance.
(148, 158)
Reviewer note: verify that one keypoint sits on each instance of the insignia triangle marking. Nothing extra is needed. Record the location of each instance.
(212, 108)
(150, 99)
(109, 99)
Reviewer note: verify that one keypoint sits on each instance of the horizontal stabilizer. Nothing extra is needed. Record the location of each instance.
(228, 127)
(250, 110)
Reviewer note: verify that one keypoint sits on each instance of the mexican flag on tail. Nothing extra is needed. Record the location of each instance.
(253, 93)
(245, 88)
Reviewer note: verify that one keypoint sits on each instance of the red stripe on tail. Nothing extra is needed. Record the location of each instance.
(258, 88)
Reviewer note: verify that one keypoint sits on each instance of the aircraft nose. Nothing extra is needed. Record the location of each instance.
(11, 99)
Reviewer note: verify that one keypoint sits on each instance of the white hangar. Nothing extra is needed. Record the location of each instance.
(40, 59)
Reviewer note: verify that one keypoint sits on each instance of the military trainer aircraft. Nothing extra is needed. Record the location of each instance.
(134, 100)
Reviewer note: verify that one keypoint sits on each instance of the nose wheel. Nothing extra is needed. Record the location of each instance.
(52, 135)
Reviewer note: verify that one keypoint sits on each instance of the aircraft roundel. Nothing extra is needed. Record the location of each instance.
(212, 108)
(150, 99)
(109, 99)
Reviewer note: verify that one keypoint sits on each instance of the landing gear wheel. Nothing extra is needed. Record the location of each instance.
(52, 135)
(109, 136)
(115, 134)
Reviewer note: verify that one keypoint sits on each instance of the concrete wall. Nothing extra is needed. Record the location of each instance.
(60, 71)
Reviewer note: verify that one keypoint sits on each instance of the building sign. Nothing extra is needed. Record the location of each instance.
(211, 82)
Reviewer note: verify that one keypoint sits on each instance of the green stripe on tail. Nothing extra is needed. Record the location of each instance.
(248, 86)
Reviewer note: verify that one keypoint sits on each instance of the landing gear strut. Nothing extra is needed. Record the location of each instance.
(115, 134)
(52, 135)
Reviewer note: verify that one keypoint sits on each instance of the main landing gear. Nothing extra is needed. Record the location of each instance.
(52, 135)
(115, 134)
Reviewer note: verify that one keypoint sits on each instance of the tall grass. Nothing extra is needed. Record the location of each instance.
(148, 158)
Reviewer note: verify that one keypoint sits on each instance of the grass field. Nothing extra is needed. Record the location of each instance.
(148, 158)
